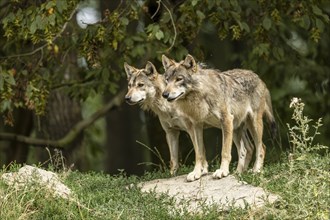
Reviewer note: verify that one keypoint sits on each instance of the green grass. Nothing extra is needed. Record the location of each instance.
(301, 178)
(302, 184)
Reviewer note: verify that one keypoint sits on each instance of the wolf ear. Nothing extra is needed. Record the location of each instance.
(129, 70)
(190, 63)
(167, 63)
(150, 69)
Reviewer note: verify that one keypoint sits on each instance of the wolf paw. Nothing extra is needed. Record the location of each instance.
(197, 174)
(219, 173)
(257, 168)
(174, 170)
(194, 175)
(240, 168)
(205, 168)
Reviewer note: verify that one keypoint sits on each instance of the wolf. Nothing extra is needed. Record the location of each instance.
(234, 101)
(145, 87)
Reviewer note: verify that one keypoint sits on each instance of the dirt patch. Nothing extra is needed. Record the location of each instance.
(224, 193)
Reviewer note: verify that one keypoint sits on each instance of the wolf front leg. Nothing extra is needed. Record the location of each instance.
(201, 165)
(227, 139)
(172, 138)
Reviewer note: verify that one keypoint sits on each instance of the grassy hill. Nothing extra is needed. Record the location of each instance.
(301, 178)
(303, 185)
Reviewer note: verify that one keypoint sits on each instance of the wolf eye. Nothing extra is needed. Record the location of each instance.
(140, 84)
(178, 79)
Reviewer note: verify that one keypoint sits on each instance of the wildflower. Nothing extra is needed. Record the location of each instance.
(294, 101)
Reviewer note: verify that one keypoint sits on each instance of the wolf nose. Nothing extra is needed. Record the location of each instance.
(127, 98)
(165, 95)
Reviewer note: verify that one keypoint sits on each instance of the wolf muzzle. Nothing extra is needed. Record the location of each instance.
(166, 95)
(128, 99)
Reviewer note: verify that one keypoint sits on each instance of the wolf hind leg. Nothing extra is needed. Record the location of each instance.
(241, 149)
(250, 148)
(256, 129)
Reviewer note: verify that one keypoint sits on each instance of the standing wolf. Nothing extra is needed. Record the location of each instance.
(145, 86)
(234, 101)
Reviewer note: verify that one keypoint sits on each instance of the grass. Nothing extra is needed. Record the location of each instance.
(301, 178)
(302, 184)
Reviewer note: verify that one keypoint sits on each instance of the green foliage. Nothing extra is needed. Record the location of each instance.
(285, 42)
(36, 23)
(300, 138)
(44, 36)
(303, 186)
(303, 178)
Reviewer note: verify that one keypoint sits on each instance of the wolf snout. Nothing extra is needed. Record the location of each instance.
(127, 98)
(165, 94)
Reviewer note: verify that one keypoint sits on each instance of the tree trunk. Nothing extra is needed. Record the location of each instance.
(16, 151)
(61, 115)
(124, 127)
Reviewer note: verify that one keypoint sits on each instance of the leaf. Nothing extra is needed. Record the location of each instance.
(1, 82)
(115, 44)
(319, 24)
(124, 21)
(39, 22)
(10, 79)
(33, 27)
(5, 105)
(317, 10)
(61, 6)
(278, 53)
(50, 4)
(245, 27)
(194, 2)
(159, 35)
(267, 23)
(166, 18)
(200, 15)
(51, 19)
(306, 22)
(235, 15)
(234, 3)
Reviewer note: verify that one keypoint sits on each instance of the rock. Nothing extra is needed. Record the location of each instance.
(224, 193)
(36, 177)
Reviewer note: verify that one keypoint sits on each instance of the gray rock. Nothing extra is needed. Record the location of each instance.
(29, 176)
(224, 193)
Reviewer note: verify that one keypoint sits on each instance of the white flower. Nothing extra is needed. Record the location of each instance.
(294, 101)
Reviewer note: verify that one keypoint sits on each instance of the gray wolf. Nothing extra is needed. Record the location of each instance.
(145, 87)
(234, 101)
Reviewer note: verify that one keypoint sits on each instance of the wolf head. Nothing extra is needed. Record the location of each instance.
(178, 77)
(140, 83)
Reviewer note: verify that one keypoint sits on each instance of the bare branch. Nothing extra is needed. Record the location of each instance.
(173, 24)
(158, 7)
(73, 133)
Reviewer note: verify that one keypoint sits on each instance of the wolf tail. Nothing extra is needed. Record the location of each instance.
(270, 116)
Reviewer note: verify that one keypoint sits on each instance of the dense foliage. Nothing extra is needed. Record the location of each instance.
(43, 48)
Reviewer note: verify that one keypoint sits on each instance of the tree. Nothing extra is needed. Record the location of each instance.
(43, 50)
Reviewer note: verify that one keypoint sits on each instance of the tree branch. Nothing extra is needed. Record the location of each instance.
(46, 44)
(73, 133)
